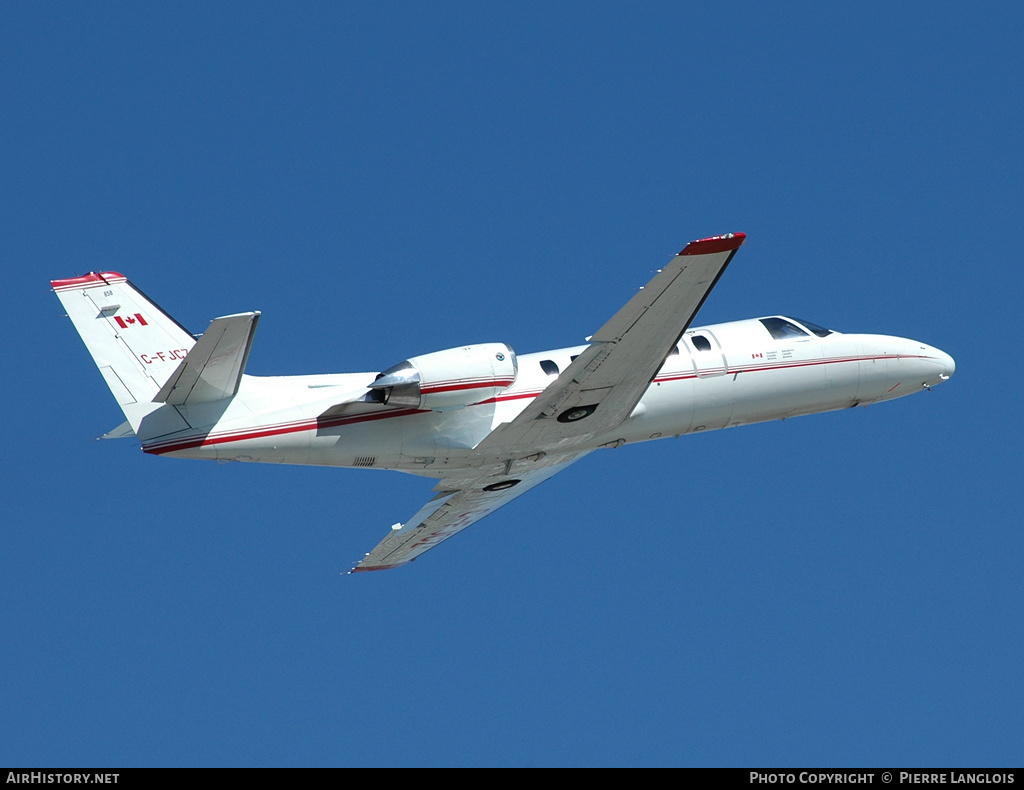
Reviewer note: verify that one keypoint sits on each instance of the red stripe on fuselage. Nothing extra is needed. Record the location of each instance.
(282, 429)
(465, 385)
(242, 435)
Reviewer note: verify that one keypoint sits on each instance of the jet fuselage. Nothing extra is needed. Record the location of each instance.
(723, 375)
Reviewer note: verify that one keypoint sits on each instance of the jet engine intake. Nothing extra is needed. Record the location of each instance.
(449, 379)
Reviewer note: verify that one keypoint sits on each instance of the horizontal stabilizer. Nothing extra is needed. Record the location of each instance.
(213, 367)
(122, 431)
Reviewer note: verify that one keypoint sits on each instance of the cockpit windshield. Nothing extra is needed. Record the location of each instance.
(782, 328)
(820, 331)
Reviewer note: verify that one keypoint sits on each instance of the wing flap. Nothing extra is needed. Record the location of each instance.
(214, 366)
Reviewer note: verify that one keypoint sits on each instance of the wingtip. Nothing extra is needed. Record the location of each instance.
(725, 243)
(361, 569)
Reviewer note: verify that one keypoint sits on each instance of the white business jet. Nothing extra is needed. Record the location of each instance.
(487, 424)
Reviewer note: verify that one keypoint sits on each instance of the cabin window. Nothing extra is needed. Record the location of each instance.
(701, 343)
(674, 352)
(549, 367)
(781, 329)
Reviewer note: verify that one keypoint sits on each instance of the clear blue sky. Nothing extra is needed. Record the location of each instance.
(388, 179)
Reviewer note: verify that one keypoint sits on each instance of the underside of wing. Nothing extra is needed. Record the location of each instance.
(462, 500)
(603, 385)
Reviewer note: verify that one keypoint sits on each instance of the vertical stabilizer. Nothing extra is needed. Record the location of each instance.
(135, 344)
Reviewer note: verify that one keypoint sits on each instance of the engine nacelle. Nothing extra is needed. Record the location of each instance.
(449, 379)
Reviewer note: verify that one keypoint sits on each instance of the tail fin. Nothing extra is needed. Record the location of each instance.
(135, 344)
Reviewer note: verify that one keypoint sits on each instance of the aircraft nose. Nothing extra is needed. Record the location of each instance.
(939, 363)
(948, 365)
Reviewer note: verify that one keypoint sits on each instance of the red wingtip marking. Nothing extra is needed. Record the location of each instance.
(730, 241)
(87, 279)
(377, 568)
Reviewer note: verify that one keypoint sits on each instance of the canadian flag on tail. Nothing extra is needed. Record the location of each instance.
(124, 323)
